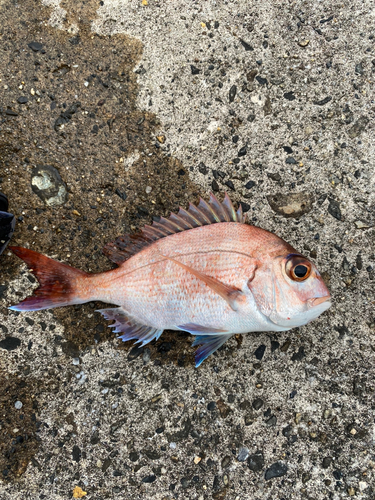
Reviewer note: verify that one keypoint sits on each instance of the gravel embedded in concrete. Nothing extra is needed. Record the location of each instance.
(269, 101)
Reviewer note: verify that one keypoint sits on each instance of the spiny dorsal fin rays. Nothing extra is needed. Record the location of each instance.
(241, 217)
(199, 215)
(218, 207)
(149, 233)
(170, 224)
(207, 209)
(180, 222)
(204, 214)
(154, 231)
(188, 217)
(229, 208)
(160, 226)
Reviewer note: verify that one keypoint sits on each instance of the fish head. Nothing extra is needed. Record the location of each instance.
(289, 290)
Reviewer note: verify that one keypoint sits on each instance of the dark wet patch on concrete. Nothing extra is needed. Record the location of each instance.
(18, 424)
(81, 118)
(70, 104)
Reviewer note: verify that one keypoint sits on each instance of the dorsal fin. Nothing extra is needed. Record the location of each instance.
(204, 214)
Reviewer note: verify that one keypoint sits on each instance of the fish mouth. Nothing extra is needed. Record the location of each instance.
(319, 300)
(314, 308)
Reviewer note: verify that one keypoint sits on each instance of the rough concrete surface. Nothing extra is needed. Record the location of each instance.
(119, 111)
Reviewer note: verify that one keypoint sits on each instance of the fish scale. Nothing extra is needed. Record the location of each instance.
(202, 270)
(171, 292)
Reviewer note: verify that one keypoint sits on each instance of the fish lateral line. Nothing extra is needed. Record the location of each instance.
(187, 254)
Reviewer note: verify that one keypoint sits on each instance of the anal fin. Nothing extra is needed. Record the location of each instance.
(130, 329)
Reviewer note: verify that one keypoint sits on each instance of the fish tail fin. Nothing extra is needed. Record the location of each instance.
(59, 284)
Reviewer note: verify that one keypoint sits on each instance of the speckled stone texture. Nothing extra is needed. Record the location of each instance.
(142, 106)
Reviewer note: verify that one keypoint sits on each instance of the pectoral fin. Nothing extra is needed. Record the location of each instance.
(207, 345)
(230, 294)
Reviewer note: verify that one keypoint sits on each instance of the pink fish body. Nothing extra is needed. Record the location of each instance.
(203, 271)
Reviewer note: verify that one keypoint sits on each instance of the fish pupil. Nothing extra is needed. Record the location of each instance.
(300, 271)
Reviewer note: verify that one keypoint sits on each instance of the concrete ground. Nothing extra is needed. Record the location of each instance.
(117, 111)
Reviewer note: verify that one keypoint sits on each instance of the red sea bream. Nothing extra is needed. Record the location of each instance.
(204, 271)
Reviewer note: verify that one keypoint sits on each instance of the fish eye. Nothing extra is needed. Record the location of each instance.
(298, 268)
(300, 271)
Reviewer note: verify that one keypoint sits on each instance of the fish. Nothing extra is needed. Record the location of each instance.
(203, 270)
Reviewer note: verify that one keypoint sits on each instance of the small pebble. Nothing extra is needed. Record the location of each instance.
(256, 461)
(361, 225)
(35, 46)
(211, 406)
(18, 405)
(243, 453)
(146, 355)
(257, 403)
(362, 485)
(277, 469)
